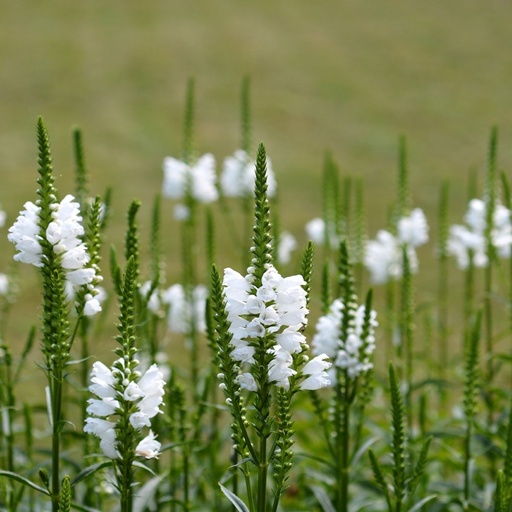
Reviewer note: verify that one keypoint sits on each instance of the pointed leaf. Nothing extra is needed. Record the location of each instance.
(420, 504)
(146, 494)
(87, 472)
(235, 500)
(23, 480)
(323, 499)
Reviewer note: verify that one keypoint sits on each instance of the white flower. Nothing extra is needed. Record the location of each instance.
(153, 304)
(198, 180)
(286, 245)
(4, 284)
(413, 230)
(353, 352)
(471, 240)
(24, 234)
(3, 217)
(315, 370)
(183, 311)
(239, 173)
(119, 385)
(148, 447)
(277, 308)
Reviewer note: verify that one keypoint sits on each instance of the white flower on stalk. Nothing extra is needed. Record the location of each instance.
(285, 246)
(24, 234)
(198, 180)
(183, 310)
(468, 242)
(278, 310)
(239, 174)
(64, 233)
(112, 387)
(383, 256)
(351, 352)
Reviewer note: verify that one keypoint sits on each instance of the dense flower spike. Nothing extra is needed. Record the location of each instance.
(64, 233)
(277, 309)
(114, 388)
(238, 176)
(383, 256)
(352, 352)
(468, 241)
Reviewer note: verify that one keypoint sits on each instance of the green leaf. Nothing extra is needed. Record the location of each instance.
(23, 480)
(323, 499)
(146, 494)
(235, 500)
(87, 472)
(420, 504)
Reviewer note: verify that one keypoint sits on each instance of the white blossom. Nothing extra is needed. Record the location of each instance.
(148, 447)
(3, 217)
(317, 232)
(112, 386)
(4, 284)
(184, 310)
(383, 256)
(24, 234)
(239, 174)
(351, 352)
(198, 180)
(286, 245)
(469, 242)
(316, 374)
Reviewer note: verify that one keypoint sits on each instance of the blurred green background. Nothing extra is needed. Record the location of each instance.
(345, 76)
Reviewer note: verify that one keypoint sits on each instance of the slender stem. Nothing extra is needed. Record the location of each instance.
(56, 405)
(262, 475)
(344, 477)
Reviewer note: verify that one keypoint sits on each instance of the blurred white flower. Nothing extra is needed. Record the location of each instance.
(468, 243)
(198, 180)
(3, 217)
(24, 234)
(4, 284)
(183, 310)
(413, 229)
(351, 352)
(239, 173)
(285, 246)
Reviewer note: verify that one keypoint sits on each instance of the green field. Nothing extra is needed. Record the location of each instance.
(349, 77)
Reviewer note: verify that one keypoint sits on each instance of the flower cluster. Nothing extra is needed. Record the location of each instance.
(383, 256)
(469, 241)
(182, 309)
(182, 180)
(64, 233)
(351, 352)
(277, 310)
(120, 389)
(238, 176)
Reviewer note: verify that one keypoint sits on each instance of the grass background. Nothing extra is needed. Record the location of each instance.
(349, 77)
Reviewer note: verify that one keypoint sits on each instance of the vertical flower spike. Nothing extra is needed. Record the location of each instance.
(260, 320)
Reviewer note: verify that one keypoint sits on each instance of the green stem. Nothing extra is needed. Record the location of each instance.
(262, 475)
(56, 406)
(344, 469)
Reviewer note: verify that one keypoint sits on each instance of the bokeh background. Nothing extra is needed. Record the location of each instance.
(348, 77)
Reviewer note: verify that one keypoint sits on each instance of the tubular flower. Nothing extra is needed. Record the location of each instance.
(238, 176)
(469, 242)
(275, 310)
(383, 256)
(116, 387)
(64, 233)
(352, 351)
(197, 180)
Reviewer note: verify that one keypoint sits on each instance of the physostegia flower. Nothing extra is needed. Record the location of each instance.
(384, 255)
(353, 350)
(239, 173)
(65, 235)
(117, 390)
(469, 241)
